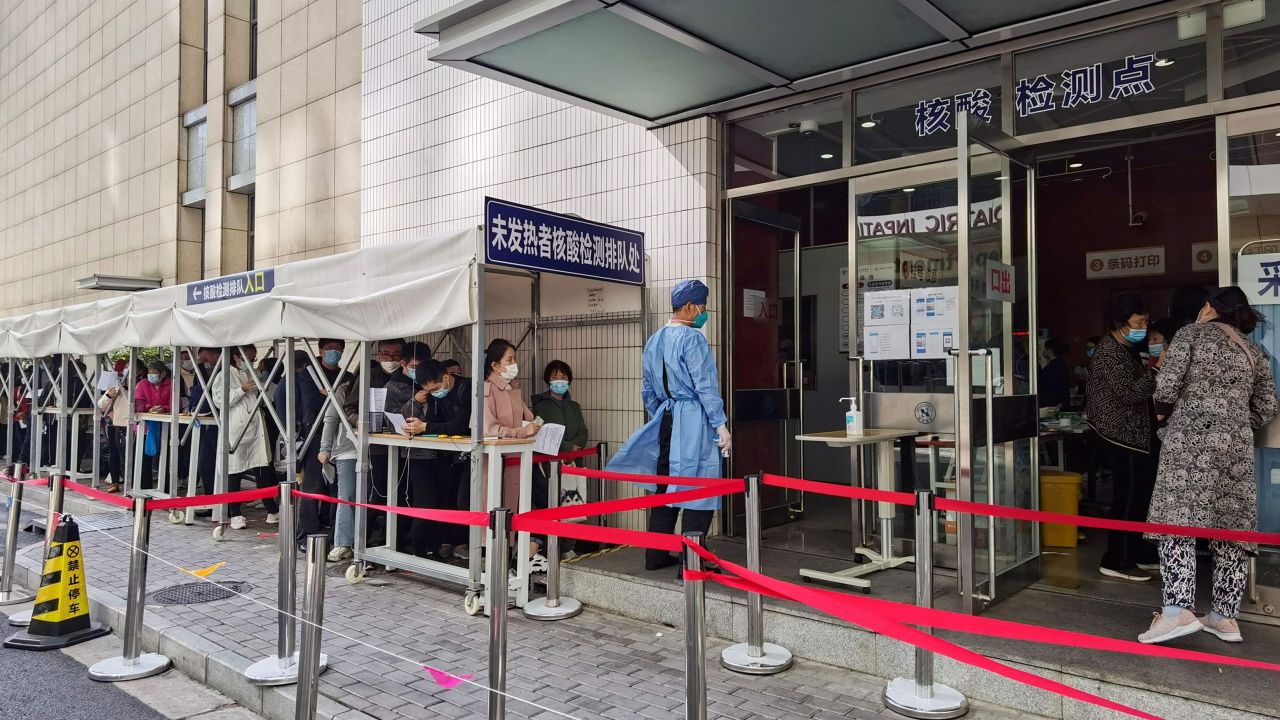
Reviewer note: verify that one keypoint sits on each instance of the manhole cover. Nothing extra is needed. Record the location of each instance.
(198, 592)
(338, 569)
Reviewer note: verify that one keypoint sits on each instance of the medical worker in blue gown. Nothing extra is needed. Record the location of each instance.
(686, 432)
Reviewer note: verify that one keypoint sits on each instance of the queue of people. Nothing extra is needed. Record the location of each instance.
(1175, 403)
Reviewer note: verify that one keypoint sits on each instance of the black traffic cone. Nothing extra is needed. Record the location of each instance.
(61, 613)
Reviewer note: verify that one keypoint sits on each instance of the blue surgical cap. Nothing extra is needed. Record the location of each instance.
(689, 291)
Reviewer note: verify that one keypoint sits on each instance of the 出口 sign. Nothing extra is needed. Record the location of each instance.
(1128, 262)
(526, 237)
(1000, 281)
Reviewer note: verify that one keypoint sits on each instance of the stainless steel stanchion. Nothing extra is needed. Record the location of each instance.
(695, 635)
(553, 606)
(54, 510)
(282, 668)
(497, 589)
(134, 663)
(755, 656)
(313, 616)
(7, 594)
(921, 697)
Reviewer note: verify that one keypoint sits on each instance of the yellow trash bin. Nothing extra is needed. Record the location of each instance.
(1060, 493)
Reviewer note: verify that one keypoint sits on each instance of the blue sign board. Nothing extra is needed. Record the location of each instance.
(232, 287)
(525, 237)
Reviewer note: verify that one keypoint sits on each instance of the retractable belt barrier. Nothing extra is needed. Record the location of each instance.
(562, 457)
(37, 482)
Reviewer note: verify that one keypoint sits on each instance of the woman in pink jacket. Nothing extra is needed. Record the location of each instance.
(152, 395)
(505, 415)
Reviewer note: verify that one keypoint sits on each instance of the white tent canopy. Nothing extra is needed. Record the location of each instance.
(395, 290)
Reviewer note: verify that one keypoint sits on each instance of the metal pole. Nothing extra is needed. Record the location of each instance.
(134, 663)
(553, 607)
(223, 479)
(11, 455)
(755, 656)
(920, 697)
(7, 595)
(695, 634)
(499, 526)
(96, 451)
(131, 426)
(54, 509)
(175, 427)
(62, 449)
(313, 618)
(475, 537)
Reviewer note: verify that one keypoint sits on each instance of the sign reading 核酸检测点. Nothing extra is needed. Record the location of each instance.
(232, 287)
(1260, 278)
(525, 237)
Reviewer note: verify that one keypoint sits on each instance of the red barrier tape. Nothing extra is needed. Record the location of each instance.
(100, 495)
(455, 517)
(562, 457)
(595, 533)
(845, 491)
(1004, 511)
(238, 496)
(883, 626)
(653, 479)
(36, 482)
(644, 502)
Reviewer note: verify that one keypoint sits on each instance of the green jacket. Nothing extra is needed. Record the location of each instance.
(564, 412)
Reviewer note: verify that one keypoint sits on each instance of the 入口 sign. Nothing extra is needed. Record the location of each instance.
(526, 237)
(1128, 262)
(232, 287)
(999, 281)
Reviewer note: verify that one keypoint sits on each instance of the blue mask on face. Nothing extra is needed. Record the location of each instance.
(153, 378)
(1136, 335)
(1089, 353)
(439, 394)
(333, 357)
(559, 387)
(411, 373)
(1155, 349)
(701, 319)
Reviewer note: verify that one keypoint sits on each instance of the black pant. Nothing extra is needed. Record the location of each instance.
(207, 463)
(262, 478)
(376, 520)
(432, 484)
(663, 519)
(312, 517)
(1133, 477)
(115, 454)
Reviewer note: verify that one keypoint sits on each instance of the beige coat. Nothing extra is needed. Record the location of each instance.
(244, 417)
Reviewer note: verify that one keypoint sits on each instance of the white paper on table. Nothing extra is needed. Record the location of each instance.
(107, 380)
(377, 399)
(547, 441)
(397, 421)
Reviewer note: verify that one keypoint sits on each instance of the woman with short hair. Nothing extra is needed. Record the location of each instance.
(1216, 386)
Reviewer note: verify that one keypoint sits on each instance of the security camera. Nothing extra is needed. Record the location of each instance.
(808, 127)
(1138, 219)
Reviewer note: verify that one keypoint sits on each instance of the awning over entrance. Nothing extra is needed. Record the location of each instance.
(660, 61)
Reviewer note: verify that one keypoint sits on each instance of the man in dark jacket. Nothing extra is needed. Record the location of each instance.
(441, 406)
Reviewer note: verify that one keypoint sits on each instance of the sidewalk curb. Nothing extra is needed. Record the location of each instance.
(194, 656)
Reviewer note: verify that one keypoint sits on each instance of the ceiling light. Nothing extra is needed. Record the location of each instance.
(908, 189)
(1164, 62)
(1075, 165)
(826, 156)
(868, 123)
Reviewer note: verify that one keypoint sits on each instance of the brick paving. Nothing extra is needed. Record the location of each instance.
(597, 665)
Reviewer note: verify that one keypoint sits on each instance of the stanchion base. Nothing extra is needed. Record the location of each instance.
(900, 696)
(14, 597)
(774, 659)
(117, 669)
(272, 671)
(537, 609)
(20, 619)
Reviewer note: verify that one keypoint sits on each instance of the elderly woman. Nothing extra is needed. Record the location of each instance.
(1216, 387)
(1120, 412)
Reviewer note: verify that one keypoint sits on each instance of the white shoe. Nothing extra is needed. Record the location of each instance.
(538, 563)
(273, 519)
(1225, 629)
(239, 523)
(462, 552)
(340, 552)
(1164, 629)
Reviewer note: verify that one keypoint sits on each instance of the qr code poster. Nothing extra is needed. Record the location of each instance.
(887, 307)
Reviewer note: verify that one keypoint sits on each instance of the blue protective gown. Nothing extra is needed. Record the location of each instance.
(696, 411)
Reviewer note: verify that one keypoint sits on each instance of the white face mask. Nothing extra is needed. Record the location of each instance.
(390, 366)
(510, 372)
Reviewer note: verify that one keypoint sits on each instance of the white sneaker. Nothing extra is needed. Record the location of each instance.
(1225, 629)
(340, 552)
(239, 523)
(273, 519)
(1164, 629)
(538, 563)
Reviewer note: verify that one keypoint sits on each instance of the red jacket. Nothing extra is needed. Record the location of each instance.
(147, 395)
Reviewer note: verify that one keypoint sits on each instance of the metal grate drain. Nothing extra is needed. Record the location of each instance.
(338, 569)
(197, 592)
(89, 523)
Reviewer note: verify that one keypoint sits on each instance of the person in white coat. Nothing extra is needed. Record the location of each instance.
(244, 423)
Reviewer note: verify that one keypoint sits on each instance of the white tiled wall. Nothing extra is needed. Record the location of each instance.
(436, 140)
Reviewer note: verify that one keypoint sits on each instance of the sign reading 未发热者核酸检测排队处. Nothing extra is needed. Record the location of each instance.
(525, 237)
(232, 287)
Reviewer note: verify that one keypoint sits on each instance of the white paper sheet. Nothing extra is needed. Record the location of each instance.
(547, 441)
(886, 307)
(889, 342)
(107, 380)
(931, 343)
(377, 399)
(937, 307)
(397, 421)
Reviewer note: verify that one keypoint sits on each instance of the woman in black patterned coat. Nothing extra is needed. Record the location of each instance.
(1216, 387)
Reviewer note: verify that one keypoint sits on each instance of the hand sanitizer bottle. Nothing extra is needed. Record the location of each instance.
(852, 418)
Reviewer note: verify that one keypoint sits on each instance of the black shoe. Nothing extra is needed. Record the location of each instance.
(666, 562)
(206, 513)
(1128, 571)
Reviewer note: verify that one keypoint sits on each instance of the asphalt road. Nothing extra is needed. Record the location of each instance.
(49, 684)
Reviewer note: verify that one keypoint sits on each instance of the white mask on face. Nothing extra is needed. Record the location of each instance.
(510, 372)
(390, 366)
